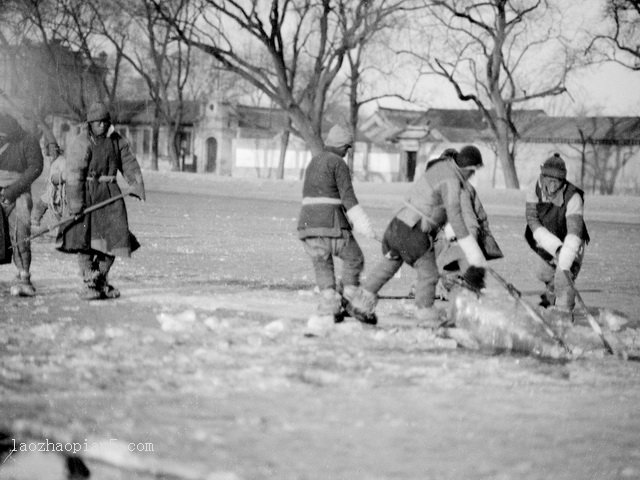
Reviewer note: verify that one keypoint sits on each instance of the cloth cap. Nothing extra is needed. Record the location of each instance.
(469, 156)
(554, 167)
(9, 126)
(98, 111)
(338, 137)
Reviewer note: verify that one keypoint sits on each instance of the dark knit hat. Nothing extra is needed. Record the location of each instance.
(469, 156)
(554, 167)
(98, 111)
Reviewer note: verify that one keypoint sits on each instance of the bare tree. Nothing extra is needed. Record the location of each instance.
(489, 51)
(140, 37)
(51, 49)
(365, 59)
(602, 156)
(304, 43)
(621, 42)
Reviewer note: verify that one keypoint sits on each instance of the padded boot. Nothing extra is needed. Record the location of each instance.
(89, 291)
(360, 304)
(22, 286)
(109, 291)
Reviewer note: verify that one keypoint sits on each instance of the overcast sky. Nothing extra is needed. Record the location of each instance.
(609, 90)
(604, 89)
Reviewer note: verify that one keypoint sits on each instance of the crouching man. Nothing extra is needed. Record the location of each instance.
(450, 258)
(20, 165)
(433, 200)
(329, 208)
(556, 231)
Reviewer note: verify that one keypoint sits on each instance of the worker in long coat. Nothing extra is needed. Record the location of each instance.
(94, 159)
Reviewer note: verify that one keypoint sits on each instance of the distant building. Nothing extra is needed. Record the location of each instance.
(602, 153)
(223, 138)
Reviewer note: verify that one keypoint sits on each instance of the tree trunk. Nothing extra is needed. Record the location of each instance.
(284, 144)
(365, 161)
(312, 136)
(502, 145)
(155, 135)
(173, 147)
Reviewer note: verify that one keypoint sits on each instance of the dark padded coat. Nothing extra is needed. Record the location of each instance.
(91, 161)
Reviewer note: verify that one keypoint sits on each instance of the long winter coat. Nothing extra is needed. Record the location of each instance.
(92, 166)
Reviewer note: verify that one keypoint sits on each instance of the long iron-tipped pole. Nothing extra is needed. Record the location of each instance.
(72, 218)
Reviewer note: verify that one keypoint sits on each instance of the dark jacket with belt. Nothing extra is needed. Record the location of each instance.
(92, 166)
(327, 194)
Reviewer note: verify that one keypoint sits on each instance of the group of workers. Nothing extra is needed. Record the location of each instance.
(440, 228)
(440, 212)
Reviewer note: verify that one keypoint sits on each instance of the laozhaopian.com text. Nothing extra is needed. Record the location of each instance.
(76, 447)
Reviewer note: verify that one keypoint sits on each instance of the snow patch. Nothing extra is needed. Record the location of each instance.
(176, 322)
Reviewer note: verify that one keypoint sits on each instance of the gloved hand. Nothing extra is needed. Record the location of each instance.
(361, 222)
(472, 252)
(474, 277)
(567, 253)
(449, 234)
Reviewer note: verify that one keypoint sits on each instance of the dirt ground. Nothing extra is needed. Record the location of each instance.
(203, 365)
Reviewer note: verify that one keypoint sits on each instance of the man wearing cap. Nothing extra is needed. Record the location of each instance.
(556, 231)
(20, 166)
(432, 201)
(93, 160)
(329, 209)
(53, 198)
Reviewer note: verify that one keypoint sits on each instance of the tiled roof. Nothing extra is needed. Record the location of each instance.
(261, 119)
(454, 125)
(601, 129)
(400, 117)
(141, 111)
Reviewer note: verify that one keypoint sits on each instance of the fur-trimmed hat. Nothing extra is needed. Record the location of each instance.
(98, 111)
(469, 156)
(338, 137)
(555, 167)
